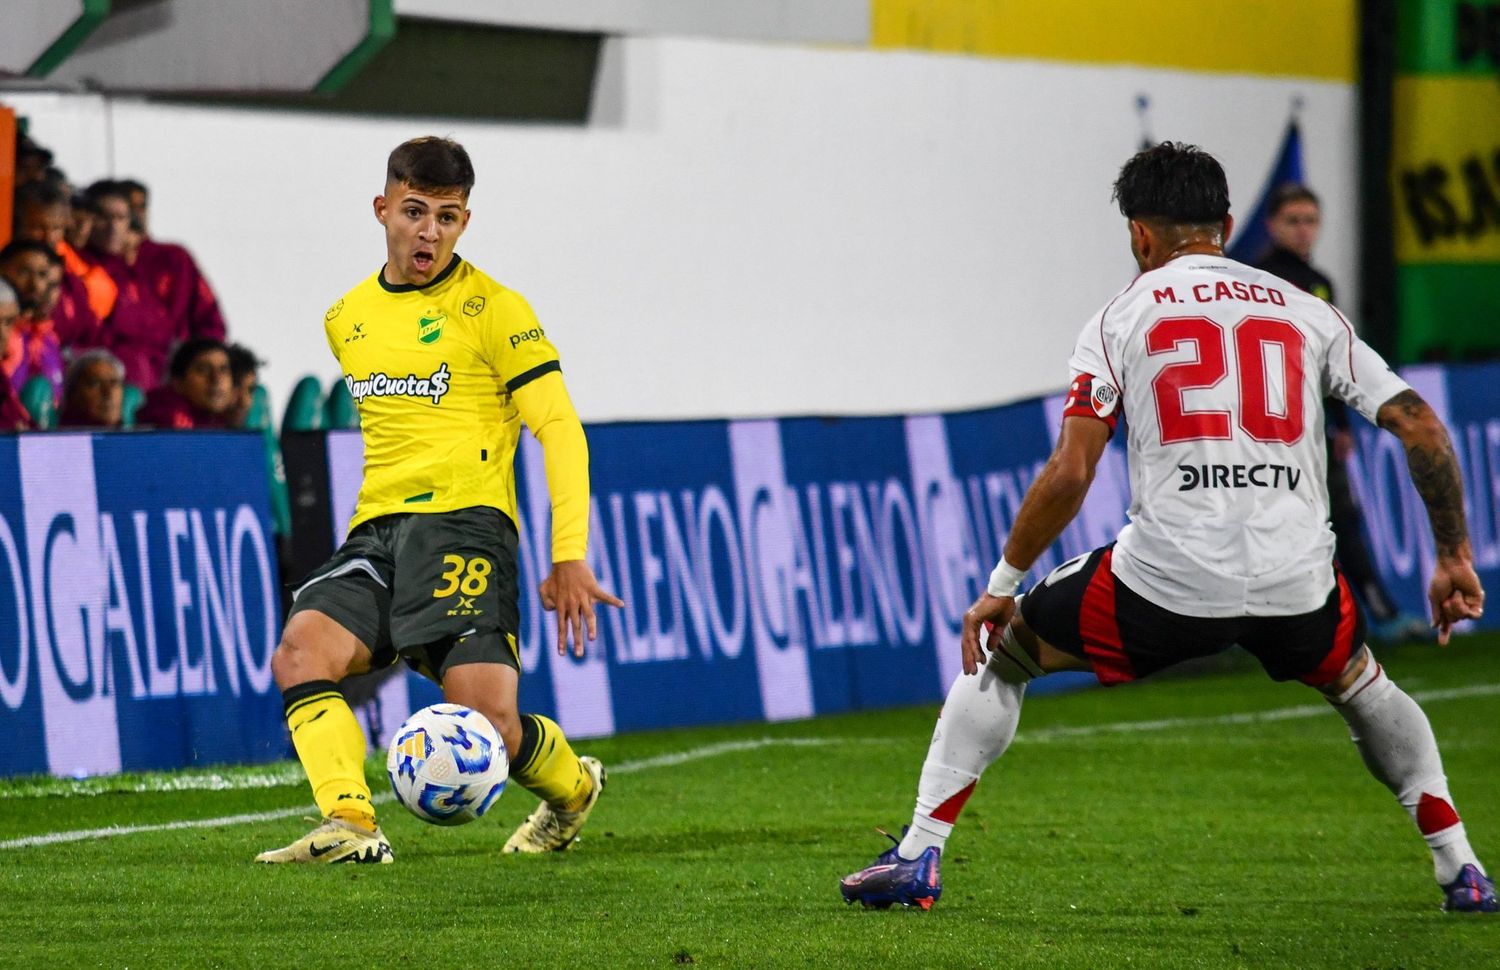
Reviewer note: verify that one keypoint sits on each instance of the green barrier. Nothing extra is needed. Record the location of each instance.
(258, 417)
(304, 409)
(131, 399)
(339, 411)
(37, 398)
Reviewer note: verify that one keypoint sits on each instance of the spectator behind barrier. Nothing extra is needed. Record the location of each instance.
(197, 395)
(35, 272)
(171, 272)
(81, 226)
(13, 416)
(244, 377)
(93, 391)
(44, 213)
(32, 161)
(140, 330)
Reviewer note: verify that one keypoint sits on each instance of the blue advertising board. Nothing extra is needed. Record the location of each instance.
(138, 602)
(772, 570)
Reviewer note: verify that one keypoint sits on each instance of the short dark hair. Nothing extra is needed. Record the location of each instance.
(431, 164)
(104, 189)
(1286, 193)
(19, 246)
(26, 147)
(1176, 183)
(242, 362)
(42, 194)
(134, 185)
(188, 351)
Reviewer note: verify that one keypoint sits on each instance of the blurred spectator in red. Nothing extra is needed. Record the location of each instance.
(44, 213)
(172, 273)
(197, 395)
(35, 272)
(139, 331)
(13, 416)
(81, 226)
(93, 391)
(244, 377)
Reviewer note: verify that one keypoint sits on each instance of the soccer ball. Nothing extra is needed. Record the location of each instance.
(447, 764)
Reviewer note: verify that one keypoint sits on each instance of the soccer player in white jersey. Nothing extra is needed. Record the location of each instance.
(1221, 370)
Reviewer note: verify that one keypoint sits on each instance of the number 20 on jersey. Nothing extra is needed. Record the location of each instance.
(1264, 349)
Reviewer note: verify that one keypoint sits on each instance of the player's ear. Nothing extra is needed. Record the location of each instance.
(379, 207)
(1228, 226)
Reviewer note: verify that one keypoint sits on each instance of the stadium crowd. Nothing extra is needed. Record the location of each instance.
(101, 324)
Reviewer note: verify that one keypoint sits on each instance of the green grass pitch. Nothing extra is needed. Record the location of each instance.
(1215, 842)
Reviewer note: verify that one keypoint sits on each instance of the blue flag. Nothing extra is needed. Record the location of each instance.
(1252, 239)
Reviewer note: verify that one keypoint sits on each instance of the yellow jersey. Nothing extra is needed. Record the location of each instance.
(442, 375)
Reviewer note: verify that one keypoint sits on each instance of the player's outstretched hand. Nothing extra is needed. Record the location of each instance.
(572, 591)
(994, 611)
(1455, 594)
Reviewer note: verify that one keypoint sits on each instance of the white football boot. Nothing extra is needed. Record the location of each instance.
(551, 830)
(334, 841)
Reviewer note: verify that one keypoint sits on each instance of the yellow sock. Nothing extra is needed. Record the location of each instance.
(547, 767)
(331, 748)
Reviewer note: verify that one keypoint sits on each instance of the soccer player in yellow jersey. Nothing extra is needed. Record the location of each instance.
(444, 364)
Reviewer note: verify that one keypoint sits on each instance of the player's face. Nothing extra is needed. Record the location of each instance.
(1295, 227)
(421, 229)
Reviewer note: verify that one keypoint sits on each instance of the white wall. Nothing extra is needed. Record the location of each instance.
(747, 230)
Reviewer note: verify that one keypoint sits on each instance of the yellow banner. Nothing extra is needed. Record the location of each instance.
(1445, 169)
(1297, 38)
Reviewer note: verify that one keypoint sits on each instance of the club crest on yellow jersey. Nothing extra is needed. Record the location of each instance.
(430, 326)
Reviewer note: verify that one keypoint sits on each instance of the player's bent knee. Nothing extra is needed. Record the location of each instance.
(504, 718)
(1350, 674)
(314, 647)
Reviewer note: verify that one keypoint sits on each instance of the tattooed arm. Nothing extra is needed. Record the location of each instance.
(1455, 593)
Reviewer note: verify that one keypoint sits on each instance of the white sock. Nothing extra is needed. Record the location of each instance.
(976, 725)
(1396, 742)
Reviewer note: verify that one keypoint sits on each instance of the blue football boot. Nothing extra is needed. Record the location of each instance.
(1471, 892)
(892, 879)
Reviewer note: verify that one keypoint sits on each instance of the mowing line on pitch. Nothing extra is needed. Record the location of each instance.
(623, 768)
(670, 759)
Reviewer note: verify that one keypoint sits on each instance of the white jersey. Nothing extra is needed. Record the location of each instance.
(1221, 370)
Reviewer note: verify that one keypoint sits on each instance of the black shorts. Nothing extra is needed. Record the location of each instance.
(436, 588)
(1085, 611)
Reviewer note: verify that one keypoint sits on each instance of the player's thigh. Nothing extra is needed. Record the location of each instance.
(455, 598)
(489, 688)
(1084, 612)
(1049, 658)
(1316, 648)
(339, 620)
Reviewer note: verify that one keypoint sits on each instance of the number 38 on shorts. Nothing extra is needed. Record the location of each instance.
(467, 577)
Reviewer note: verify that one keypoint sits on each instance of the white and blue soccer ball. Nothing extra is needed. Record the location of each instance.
(447, 764)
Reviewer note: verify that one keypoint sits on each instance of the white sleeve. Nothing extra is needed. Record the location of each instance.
(1091, 354)
(1355, 374)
